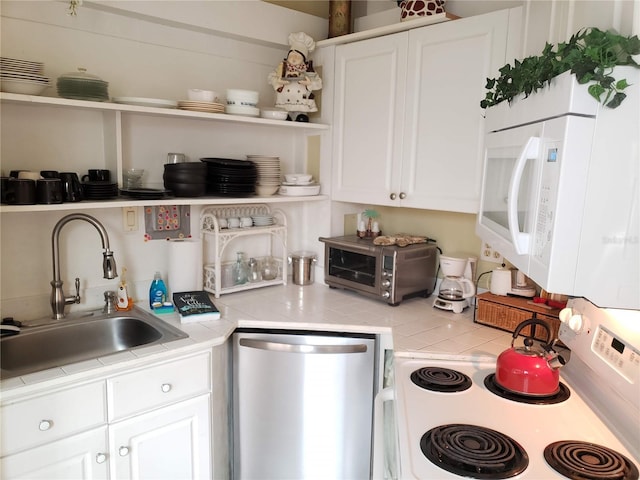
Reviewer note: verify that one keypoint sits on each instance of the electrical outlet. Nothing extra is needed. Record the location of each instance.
(488, 254)
(129, 219)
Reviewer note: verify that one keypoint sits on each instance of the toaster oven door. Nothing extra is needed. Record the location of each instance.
(353, 268)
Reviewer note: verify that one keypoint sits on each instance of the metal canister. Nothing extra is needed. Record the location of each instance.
(302, 264)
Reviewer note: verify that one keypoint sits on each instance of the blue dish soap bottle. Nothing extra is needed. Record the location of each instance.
(157, 292)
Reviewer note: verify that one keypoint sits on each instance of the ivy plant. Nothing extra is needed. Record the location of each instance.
(591, 54)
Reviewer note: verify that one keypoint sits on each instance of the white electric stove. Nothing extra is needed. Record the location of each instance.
(463, 432)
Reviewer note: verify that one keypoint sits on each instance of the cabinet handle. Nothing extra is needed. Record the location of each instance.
(101, 458)
(392, 196)
(123, 451)
(166, 387)
(45, 425)
(402, 195)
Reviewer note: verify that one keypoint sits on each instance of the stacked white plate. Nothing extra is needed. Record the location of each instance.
(146, 102)
(268, 170)
(22, 76)
(195, 106)
(262, 220)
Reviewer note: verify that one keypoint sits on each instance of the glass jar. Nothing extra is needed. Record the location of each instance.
(255, 274)
(240, 269)
(269, 269)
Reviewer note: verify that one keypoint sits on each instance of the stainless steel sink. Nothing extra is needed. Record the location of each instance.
(54, 343)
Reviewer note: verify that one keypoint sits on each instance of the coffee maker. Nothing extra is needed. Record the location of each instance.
(457, 285)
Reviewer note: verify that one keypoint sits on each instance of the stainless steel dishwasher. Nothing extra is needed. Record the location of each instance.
(303, 405)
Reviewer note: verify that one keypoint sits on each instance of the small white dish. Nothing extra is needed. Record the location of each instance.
(274, 114)
(198, 95)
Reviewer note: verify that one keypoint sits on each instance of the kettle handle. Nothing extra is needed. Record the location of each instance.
(526, 323)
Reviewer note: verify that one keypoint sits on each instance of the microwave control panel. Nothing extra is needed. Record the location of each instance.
(547, 199)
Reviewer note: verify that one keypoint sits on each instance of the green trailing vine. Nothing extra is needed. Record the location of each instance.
(591, 54)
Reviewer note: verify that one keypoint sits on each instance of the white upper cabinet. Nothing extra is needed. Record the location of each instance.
(368, 108)
(408, 128)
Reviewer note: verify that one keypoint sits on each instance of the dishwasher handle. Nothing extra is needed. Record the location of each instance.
(296, 348)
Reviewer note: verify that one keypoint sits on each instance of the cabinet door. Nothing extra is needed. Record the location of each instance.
(369, 102)
(169, 443)
(80, 457)
(448, 65)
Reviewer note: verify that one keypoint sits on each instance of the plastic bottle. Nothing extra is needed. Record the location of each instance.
(157, 292)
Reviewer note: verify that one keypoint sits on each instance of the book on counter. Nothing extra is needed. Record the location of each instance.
(195, 306)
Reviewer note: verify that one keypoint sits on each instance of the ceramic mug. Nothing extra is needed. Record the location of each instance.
(4, 188)
(246, 222)
(71, 187)
(233, 222)
(49, 191)
(97, 175)
(27, 174)
(49, 174)
(21, 191)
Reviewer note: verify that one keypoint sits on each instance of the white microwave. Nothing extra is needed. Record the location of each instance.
(560, 193)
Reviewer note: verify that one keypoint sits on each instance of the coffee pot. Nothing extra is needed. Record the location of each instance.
(457, 285)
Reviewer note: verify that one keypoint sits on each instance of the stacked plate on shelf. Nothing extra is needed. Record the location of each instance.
(228, 176)
(146, 102)
(263, 220)
(268, 168)
(99, 190)
(208, 107)
(22, 76)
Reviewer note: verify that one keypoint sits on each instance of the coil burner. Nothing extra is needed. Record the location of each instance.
(438, 379)
(474, 451)
(588, 461)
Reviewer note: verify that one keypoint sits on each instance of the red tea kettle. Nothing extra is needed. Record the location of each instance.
(532, 369)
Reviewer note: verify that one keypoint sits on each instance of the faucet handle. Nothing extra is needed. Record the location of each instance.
(77, 299)
(109, 301)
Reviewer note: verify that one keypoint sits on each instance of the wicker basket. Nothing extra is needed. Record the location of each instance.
(506, 313)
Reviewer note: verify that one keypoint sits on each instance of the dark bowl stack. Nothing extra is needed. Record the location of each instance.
(188, 179)
(228, 176)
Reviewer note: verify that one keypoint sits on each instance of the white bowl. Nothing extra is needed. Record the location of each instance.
(242, 97)
(275, 114)
(298, 178)
(197, 95)
(25, 87)
(266, 190)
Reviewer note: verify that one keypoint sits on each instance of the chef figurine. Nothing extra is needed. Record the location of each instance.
(294, 79)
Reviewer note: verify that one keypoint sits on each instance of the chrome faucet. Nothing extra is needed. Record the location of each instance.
(58, 298)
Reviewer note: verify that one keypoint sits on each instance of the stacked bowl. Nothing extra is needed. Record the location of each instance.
(22, 76)
(242, 102)
(188, 179)
(268, 180)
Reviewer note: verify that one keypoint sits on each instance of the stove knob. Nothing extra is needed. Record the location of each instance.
(386, 283)
(386, 294)
(574, 320)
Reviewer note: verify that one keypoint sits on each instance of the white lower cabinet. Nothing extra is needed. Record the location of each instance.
(170, 443)
(82, 457)
(151, 423)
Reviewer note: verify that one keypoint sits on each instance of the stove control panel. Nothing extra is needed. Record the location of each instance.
(617, 353)
(609, 346)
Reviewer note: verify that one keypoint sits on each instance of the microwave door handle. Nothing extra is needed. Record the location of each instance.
(520, 239)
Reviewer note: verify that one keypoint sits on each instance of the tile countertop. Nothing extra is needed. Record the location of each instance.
(417, 327)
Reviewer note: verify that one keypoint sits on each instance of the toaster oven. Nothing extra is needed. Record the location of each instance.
(386, 272)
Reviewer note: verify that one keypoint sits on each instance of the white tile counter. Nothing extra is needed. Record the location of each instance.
(418, 329)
